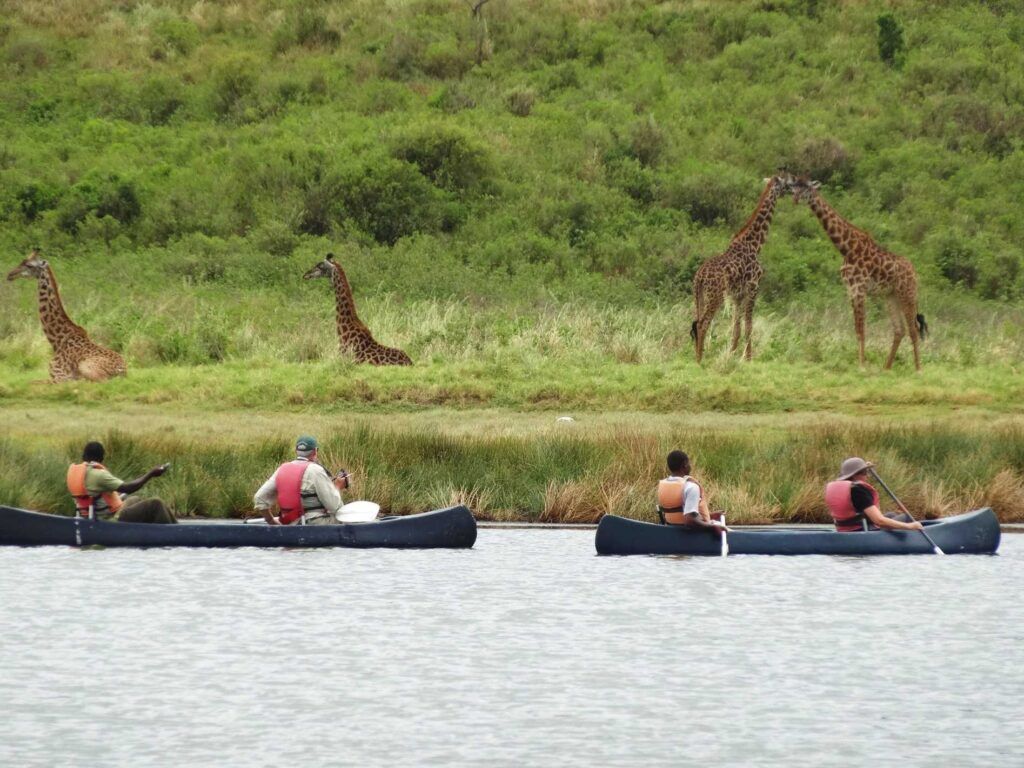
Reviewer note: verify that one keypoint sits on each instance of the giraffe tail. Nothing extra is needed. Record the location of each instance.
(693, 330)
(922, 326)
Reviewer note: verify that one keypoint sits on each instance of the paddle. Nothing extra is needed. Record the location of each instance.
(725, 540)
(935, 547)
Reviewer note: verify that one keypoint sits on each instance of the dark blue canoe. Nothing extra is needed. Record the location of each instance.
(970, 533)
(453, 528)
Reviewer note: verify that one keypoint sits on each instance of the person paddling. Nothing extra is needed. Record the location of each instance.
(98, 494)
(303, 490)
(680, 498)
(853, 501)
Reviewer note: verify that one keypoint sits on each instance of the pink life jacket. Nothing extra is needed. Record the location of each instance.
(839, 501)
(288, 481)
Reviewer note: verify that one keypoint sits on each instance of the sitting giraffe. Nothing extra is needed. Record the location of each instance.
(353, 336)
(869, 270)
(75, 355)
(736, 272)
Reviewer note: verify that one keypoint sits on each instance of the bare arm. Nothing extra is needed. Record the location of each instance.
(874, 514)
(133, 485)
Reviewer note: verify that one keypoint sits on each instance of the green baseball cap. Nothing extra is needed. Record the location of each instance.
(306, 443)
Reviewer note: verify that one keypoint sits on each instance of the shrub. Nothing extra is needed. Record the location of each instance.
(520, 101)
(312, 30)
(444, 60)
(449, 158)
(102, 196)
(234, 83)
(957, 261)
(452, 98)
(647, 141)
(27, 55)
(33, 199)
(160, 98)
(890, 40)
(177, 35)
(825, 160)
(709, 198)
(389, 199)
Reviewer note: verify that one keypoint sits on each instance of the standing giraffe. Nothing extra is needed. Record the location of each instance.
(736, 272)
(353, 336)
(869, 270)
(75, 355)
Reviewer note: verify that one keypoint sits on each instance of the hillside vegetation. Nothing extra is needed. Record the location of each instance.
(182, 163)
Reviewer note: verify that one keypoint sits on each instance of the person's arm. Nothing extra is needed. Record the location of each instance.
(265, 499)
(874, 514)
(326, 489)
(133, 485)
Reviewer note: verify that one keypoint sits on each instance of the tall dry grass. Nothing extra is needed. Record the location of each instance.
(757, 475)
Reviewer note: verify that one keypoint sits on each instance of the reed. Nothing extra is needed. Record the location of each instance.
(507, 467)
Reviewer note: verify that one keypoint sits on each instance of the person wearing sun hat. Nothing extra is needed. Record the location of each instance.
(302, 489)
(853, 501)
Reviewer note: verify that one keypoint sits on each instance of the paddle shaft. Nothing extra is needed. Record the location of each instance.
(905, 510)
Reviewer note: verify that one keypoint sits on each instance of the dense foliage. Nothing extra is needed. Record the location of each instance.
(541, 148)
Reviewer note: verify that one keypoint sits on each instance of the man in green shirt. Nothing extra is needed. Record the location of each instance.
(94, 486)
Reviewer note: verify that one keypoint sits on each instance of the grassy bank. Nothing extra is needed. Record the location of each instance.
(510, 466)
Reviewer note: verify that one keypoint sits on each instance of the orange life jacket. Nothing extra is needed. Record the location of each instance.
(839, 500)
(85, 502)
(670, 498)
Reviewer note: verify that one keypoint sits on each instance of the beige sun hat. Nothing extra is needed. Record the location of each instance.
(852, 466)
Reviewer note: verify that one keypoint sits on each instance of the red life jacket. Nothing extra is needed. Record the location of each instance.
(670, 498)
(288, 481)
(85, 502)
(838, 499)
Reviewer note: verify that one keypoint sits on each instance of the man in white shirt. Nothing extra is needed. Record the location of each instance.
(303, 490)
(680, 497)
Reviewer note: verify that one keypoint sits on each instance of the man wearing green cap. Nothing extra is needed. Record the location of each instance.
(303, 490)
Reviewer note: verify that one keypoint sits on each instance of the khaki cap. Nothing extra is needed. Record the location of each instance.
(852, 466)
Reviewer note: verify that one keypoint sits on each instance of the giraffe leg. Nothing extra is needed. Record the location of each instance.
(712, 305)
(60, 370)
(910, 315)
(858, 325)
(896, 315)
(748, 319)
(737, 315)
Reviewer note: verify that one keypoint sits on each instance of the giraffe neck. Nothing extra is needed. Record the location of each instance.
(755, 231)
(835, 226)
(56, 323)
(345, 305)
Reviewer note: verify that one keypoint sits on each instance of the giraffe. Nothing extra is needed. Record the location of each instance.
(869, 270)
(75, 355)
(353, 336)
(736, 272)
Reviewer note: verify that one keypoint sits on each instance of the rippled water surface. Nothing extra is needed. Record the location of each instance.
(526, 650)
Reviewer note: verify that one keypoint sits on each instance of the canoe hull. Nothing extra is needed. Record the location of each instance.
(974, 532)
(452, 528)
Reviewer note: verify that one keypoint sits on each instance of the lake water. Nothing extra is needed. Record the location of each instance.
(526, 650)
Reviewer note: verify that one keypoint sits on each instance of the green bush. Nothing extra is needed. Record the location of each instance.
(446, 156)
(890, 40)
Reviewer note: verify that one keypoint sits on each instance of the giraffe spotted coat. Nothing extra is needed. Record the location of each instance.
(75, 355)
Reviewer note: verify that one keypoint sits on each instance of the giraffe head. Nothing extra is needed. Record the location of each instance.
(803, 188)
(324, 268)
(32, 267)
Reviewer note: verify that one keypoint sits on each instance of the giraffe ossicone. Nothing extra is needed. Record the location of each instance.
(354, 337)
(75, 355)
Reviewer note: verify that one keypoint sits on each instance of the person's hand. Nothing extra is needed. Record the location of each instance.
(916, 526)
(341, 480)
